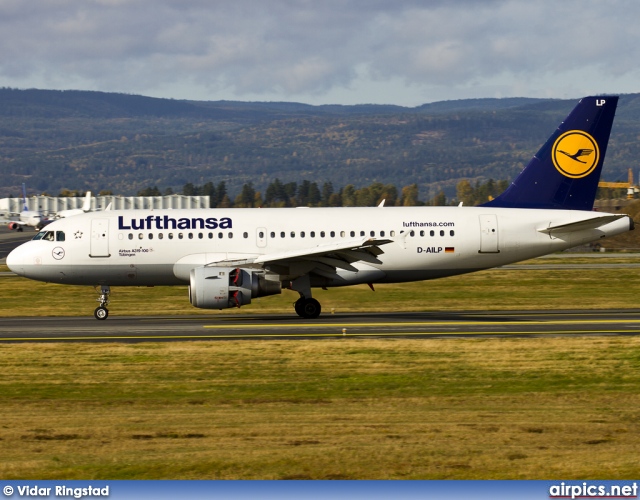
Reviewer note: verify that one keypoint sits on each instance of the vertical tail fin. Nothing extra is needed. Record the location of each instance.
(564, 173)
(86, 206)
(24, 198)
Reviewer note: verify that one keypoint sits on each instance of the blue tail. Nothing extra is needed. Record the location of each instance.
(24, 198)
(564, 174)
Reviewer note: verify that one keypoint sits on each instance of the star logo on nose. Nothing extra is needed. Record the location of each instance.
(78, 235)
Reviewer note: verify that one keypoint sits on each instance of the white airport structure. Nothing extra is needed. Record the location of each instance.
(50, 205)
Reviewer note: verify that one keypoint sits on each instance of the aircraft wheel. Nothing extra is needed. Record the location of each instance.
(308, 308)
(298, 307)
(101, 313)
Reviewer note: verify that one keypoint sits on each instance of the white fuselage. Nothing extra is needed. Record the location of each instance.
(145, 248)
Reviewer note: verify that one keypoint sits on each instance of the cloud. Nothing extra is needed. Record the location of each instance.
(288, 48)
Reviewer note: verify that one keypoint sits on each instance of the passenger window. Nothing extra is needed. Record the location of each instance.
(362, 233)
(230, 235)
(190, 236)
(432, 233)
(302, 234)
(452, 233)
(220, 235)
(412, 233)
(150, 236)
(170, 236)
(210, 235)
(130, 236)
(293, 234)
(160, 236)
(282, 234)
(373, 233)
(332, 234)
(180, 236)
(60, 235)
(392, 233)
(272, 234)
(261, 234)
(342, 234)
(245, 235)
(140, 236)
(441, 232)
(321, 234)
(200, 236)
(382, 233)
(421, 233)
(352, 233)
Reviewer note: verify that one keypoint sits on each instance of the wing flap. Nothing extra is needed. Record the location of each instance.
(362, 244)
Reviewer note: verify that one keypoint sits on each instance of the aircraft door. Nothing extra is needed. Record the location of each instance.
(261, 237)
(99, 238)
(489, 234)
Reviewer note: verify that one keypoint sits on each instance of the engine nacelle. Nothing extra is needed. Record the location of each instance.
(13, 225)
(217, 287)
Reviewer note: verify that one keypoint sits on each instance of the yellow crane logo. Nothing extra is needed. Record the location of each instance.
(575, 154)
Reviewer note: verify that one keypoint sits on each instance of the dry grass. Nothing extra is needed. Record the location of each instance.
(378, 409)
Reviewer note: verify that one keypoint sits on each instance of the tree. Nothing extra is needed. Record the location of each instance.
(464, 192)
(410, 196)
(150, 191)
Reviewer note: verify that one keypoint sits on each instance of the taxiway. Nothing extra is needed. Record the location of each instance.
(427, 325)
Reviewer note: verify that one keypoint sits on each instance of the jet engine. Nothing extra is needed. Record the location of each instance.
(213, 287)
(13, 225)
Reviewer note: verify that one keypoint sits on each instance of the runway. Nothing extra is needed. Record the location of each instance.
(428, 325)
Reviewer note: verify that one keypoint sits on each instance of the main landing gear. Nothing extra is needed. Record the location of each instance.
(101, 311)
(306, 306)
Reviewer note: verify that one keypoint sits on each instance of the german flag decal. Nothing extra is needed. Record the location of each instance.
(449, 249)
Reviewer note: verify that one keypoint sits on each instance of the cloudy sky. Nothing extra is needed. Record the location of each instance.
(405, 52)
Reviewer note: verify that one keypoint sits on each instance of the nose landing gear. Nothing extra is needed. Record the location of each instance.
(101, 311)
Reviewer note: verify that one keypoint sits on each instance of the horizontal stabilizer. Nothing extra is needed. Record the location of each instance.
(582, 225)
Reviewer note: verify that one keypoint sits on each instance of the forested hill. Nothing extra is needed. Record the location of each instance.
(77, 140)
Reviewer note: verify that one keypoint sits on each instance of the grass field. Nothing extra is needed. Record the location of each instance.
(328, 409)
(338, 409)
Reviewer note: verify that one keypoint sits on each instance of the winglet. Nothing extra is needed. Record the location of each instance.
(564, 173)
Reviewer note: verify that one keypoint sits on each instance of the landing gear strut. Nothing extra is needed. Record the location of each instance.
(101, 311)
(306, 306)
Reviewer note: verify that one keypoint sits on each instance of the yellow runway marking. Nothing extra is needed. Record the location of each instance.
(316, 335)
(416, 323)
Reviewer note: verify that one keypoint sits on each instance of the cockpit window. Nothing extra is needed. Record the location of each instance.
(50, 236)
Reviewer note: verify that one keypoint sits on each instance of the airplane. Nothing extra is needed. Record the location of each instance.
(228, 257)
(86, 207)
(30, 218)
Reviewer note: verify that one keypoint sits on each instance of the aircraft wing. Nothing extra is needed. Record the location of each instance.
(592, 223)
(321, 259)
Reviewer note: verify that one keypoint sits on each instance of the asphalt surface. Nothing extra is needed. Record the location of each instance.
(10, 239)
(431, 325)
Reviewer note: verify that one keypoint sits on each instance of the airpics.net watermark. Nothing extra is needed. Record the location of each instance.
(56, 491)
(587, 490)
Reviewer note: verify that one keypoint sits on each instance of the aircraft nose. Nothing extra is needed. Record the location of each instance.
(15, 261)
